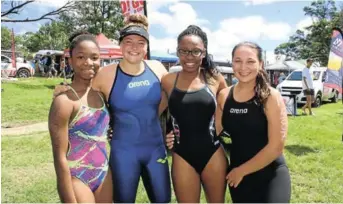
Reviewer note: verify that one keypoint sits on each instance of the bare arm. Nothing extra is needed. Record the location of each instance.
(305, 81)
(221, 98)
(59, 115)
(160, 71)
(222, 83)
(164, 103)
(105, 76)
(277, 131)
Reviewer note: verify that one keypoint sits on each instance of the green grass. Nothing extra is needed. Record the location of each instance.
(313, 152)
(26, 101)
(314, 155)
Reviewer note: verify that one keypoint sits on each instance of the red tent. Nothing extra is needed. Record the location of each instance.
(108, 50)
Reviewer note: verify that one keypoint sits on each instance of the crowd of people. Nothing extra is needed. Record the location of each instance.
(48, 66)
(128, 99)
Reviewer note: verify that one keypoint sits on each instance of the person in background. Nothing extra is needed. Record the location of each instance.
(62, 68)
(307, 85)
(281, 77)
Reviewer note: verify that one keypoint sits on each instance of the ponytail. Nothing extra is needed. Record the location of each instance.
(262, 87)
(208, 65)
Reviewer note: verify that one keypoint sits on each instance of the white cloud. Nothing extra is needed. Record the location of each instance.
(254, 27)
(163, 44)
(221, 41)
(154, 5)
(270, 57)
(182, 15)
(301, 25)
(277, 31)
(306, 22)
(29, 27)
(235, 30)
(259, 2)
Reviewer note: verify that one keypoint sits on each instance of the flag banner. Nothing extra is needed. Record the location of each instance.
(335, 63)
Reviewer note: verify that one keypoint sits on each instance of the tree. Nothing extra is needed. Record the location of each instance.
(95, 16)
(5, 38)
(51, 36)
(315, 40)
(10, 8)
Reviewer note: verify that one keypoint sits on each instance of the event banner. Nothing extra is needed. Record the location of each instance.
(335, 65)
(129, 7)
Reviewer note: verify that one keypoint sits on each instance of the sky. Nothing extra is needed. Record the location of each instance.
(226, 23)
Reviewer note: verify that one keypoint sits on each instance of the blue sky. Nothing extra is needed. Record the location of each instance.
(267, 22)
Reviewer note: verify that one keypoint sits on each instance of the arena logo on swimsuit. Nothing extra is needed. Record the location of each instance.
(239, 110)
(139, 84)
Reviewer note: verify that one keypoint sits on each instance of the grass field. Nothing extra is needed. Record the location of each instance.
(26, 101)
(313, 152)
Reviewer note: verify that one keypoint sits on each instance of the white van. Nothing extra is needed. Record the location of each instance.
(293, 85)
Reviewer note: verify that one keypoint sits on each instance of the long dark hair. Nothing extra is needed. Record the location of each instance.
(207, 63)
(262, 80)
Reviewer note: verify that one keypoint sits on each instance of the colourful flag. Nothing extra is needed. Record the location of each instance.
(335, 64)
(129, 7)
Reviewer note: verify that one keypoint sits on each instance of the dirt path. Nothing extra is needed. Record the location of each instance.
(26, 129)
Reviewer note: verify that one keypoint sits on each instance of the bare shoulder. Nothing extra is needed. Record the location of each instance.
(61, 99)
(103, 71)
(275, 99)
(224, 93)
(169, 78)
(222, 96)
(157, 67)
(168, 81)
(104, 75)
(221, 82)
(62, 106)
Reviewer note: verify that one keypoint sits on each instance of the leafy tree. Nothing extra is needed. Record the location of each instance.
(5, 38)
(315, 40)
(95, 16)
(50, 36)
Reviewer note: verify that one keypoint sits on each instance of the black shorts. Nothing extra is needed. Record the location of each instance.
(309, 92)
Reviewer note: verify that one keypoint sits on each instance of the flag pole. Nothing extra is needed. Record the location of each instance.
(14, 62)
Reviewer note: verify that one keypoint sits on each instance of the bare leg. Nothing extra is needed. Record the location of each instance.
(304, 107)
(213, 177)
(186, 181)
(82, 192)
(309, 102)
(104, 193)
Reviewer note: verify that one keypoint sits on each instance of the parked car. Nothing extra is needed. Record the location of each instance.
(23, 70)
(293, 85)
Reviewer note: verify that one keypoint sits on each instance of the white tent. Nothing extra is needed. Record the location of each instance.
(285, 66)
